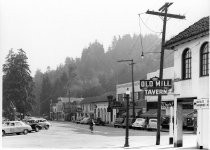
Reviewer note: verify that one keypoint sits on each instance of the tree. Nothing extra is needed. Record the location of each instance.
(37, 91)
(17, 83)
(45, 95)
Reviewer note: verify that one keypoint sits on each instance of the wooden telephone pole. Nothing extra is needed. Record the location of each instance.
(163, 12)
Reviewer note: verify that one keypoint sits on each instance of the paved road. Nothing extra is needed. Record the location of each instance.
(71, 135)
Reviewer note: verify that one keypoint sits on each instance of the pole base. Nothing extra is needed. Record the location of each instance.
(201, 147)
(126, 145)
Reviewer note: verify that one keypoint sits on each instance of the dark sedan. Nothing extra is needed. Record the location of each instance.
(98, 121)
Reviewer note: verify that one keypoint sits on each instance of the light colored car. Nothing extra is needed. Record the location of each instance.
(152, 124)
(44, 123)
(85, 120)
(15, 127)
(139, 123)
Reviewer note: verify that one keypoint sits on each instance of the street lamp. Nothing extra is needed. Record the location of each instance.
(142, 53)
(132, 63)
(127, 117)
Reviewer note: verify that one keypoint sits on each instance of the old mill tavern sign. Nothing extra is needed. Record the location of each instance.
(155, 86)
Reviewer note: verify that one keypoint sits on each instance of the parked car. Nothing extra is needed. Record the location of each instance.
(139, 123)
(98, 121)
(43, 123)
(130, 122)
(34, 124)
(152, 124)
(165, 122)
(191, 122)
(86, 120)
(118, 122)
(78, 120)
(15, 127)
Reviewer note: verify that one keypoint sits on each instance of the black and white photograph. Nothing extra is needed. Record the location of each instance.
(104, 74)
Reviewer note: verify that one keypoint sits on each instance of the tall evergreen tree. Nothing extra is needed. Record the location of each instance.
(17, 83)
(46, 95)
(37, 91)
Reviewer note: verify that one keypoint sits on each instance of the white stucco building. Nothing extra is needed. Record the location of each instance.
(191, 75)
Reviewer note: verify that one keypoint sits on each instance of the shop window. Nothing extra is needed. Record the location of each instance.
(204, 59)
(186, 64)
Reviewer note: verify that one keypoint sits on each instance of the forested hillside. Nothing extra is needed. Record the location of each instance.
(97, 71)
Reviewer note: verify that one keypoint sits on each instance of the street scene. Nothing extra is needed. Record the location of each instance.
(78, 136)
(105, 74)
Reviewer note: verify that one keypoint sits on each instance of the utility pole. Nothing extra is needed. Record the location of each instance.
(134, 115)
(127, 117)
(132, 80)
(165, 14)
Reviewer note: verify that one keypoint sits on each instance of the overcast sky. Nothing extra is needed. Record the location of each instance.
(51, 30)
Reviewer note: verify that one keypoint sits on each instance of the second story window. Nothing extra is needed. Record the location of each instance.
(204, 59)
(186, 64)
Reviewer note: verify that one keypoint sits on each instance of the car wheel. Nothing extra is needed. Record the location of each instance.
(25, 131)
(46, 127)
(3, 133)
(36, 129)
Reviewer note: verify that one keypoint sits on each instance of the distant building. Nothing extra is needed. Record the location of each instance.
(140, 102)
(97, 107)
(67, 108)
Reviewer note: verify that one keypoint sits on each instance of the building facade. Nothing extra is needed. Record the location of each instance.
(146, 105)
(191, 77)
(97, 107)
(139, 99)
(167, 100)
(67, 109)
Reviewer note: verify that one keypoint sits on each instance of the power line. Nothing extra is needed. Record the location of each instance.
(148, 26)
(140, 34)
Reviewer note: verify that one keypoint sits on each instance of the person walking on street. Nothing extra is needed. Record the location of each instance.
(91, 125)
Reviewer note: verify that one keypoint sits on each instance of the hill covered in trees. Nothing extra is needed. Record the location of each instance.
(97, 71)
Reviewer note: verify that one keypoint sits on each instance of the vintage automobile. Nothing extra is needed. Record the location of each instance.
(43, 123)
(86, 120)
(78, 120)
(140, 123)
(130, 122)
(118, 122)
(17, 127)
(98, 122)
(34, 124)
(165, 122)
(152, 124)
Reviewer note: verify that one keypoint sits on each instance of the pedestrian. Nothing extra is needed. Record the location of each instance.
(91, 125)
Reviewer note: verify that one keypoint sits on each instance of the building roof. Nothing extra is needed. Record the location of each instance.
(198, 29)
(72, 99)
(101, 98)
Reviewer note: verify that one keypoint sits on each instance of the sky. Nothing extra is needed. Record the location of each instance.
(51, 30)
